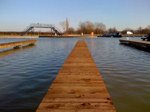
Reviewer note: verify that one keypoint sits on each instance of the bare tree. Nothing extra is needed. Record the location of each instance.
(148, 27)
(100, 26)
(112, 30)
(71, 30)
(89, 26)
(82, 27)
(86, 27)
(147, 30)
(140, 30)
(127, 29)
(63, 25)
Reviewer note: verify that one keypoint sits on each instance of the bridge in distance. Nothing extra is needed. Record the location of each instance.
(49, 26)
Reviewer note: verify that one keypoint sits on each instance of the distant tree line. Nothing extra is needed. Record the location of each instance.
(140, 30)
(85, 28)
(98, 28)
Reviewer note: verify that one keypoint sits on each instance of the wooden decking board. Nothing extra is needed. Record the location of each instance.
(136, 41)
(80, 110)
(14, 44)
(145, 45)
(78, 86)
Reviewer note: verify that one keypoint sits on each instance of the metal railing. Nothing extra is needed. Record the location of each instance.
(38, 25)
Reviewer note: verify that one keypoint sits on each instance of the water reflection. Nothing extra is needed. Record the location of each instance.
(126, 73)
(92, 46)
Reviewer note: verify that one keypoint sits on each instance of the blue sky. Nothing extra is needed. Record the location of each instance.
(18, 14)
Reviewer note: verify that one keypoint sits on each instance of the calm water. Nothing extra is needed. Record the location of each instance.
(27, 73)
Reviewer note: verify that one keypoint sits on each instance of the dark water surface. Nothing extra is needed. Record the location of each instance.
(27, 73)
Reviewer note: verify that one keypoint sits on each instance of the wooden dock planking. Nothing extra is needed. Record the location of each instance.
(15, 44)
(135, 43)
(78, 86)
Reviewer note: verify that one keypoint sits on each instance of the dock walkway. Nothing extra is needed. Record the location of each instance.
(136, 43)
(16, 44)
(78, 86)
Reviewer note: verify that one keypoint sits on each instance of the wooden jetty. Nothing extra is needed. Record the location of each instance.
(135, 43)
(78, 86)
(17, 44)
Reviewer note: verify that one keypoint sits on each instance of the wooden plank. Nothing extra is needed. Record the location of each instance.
(135, 41)
(14, 44)
(79, 110)
(78, 86)
(143, 45)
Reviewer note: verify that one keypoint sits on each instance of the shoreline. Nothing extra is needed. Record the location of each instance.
(64, 36)
(3, 37)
